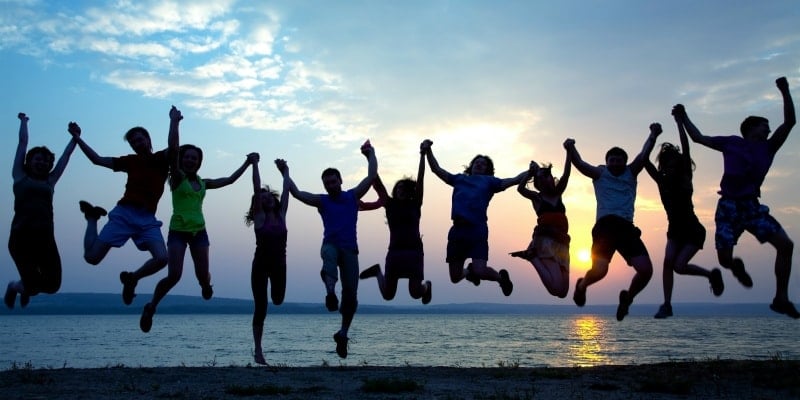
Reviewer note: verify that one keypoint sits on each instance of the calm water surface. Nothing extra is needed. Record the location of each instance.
(390, 340)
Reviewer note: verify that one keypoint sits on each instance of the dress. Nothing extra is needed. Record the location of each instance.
(550, 239)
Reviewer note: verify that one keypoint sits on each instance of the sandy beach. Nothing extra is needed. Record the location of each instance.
(713, 379)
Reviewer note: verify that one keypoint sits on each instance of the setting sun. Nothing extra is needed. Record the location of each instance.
(584, 255)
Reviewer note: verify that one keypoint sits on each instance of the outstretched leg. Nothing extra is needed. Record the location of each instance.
(258, 285)
(783, 269)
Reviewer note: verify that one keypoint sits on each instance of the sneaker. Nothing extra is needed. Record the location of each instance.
(90, 211)
(426, 298)
(146, 321)
(717, 286)
(11, 295)
(331, 302)
(579, 296)
(370, 272)
(624, 303)
(784, 307)
(207, 291)
(740, 273)
(505, 283)
(470, 276)
(341, 344)
(128, 287)
(664, 311)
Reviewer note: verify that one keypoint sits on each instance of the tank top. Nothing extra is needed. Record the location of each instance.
(187, 207)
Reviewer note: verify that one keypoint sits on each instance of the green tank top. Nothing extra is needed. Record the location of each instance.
(187, 207)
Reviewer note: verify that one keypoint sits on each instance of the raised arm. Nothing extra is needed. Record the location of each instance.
(679, 112)
(285, 191)
(782, 132)
(651, 170)
(372, 170)
(257, 210)
(383, 196)
(221, 182)
(420, 175)
(426, 147)
(18, 169)
(522, 187)
(173, 138)
(310, 199)
(562, 182)
(61, 165)
(638, 162)
(684, 138)
(583, 167)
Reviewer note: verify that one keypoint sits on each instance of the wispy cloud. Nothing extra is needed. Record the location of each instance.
(200, 53)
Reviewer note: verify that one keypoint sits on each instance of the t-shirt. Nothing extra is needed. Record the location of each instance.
(471, 196)
(339, 218)
(746, 164)
(615, 195)
(147, 174)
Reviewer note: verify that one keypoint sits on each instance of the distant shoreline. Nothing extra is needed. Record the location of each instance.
(110, 304)
(730, 379)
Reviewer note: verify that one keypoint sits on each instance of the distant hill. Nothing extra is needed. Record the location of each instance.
(111, 303)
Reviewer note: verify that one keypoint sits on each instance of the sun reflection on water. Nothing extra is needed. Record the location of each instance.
(588, 335)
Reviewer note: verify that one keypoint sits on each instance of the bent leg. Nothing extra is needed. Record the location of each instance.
(554, 277)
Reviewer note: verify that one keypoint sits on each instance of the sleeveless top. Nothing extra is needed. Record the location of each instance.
(271, 238)
(339, 217)
(187, 207)
(33, 204)
(403, 219)
(615, 195)
(676, 196)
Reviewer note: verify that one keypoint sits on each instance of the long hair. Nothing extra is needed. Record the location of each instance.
(544, 168)
(670, 153)
(411, 188)
(255, 201)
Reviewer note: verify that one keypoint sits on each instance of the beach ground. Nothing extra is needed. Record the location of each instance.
(713, 379)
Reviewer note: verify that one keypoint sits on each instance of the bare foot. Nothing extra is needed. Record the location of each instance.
(259, 358)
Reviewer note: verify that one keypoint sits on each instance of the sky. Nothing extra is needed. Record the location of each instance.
(309, 81)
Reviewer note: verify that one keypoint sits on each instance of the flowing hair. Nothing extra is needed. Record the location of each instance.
(255, 202)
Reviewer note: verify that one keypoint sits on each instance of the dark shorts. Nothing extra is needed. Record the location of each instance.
(612, 233)
(733, 217)
(687, 231)
(467, 241)
(405, 264)
(193, 240)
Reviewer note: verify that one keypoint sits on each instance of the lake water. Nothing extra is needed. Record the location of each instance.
(89, 341)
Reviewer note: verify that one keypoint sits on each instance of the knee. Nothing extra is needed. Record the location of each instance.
(160, 260)
(92, 259)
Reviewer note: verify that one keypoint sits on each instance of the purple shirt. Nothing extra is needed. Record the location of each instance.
(746, 164)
